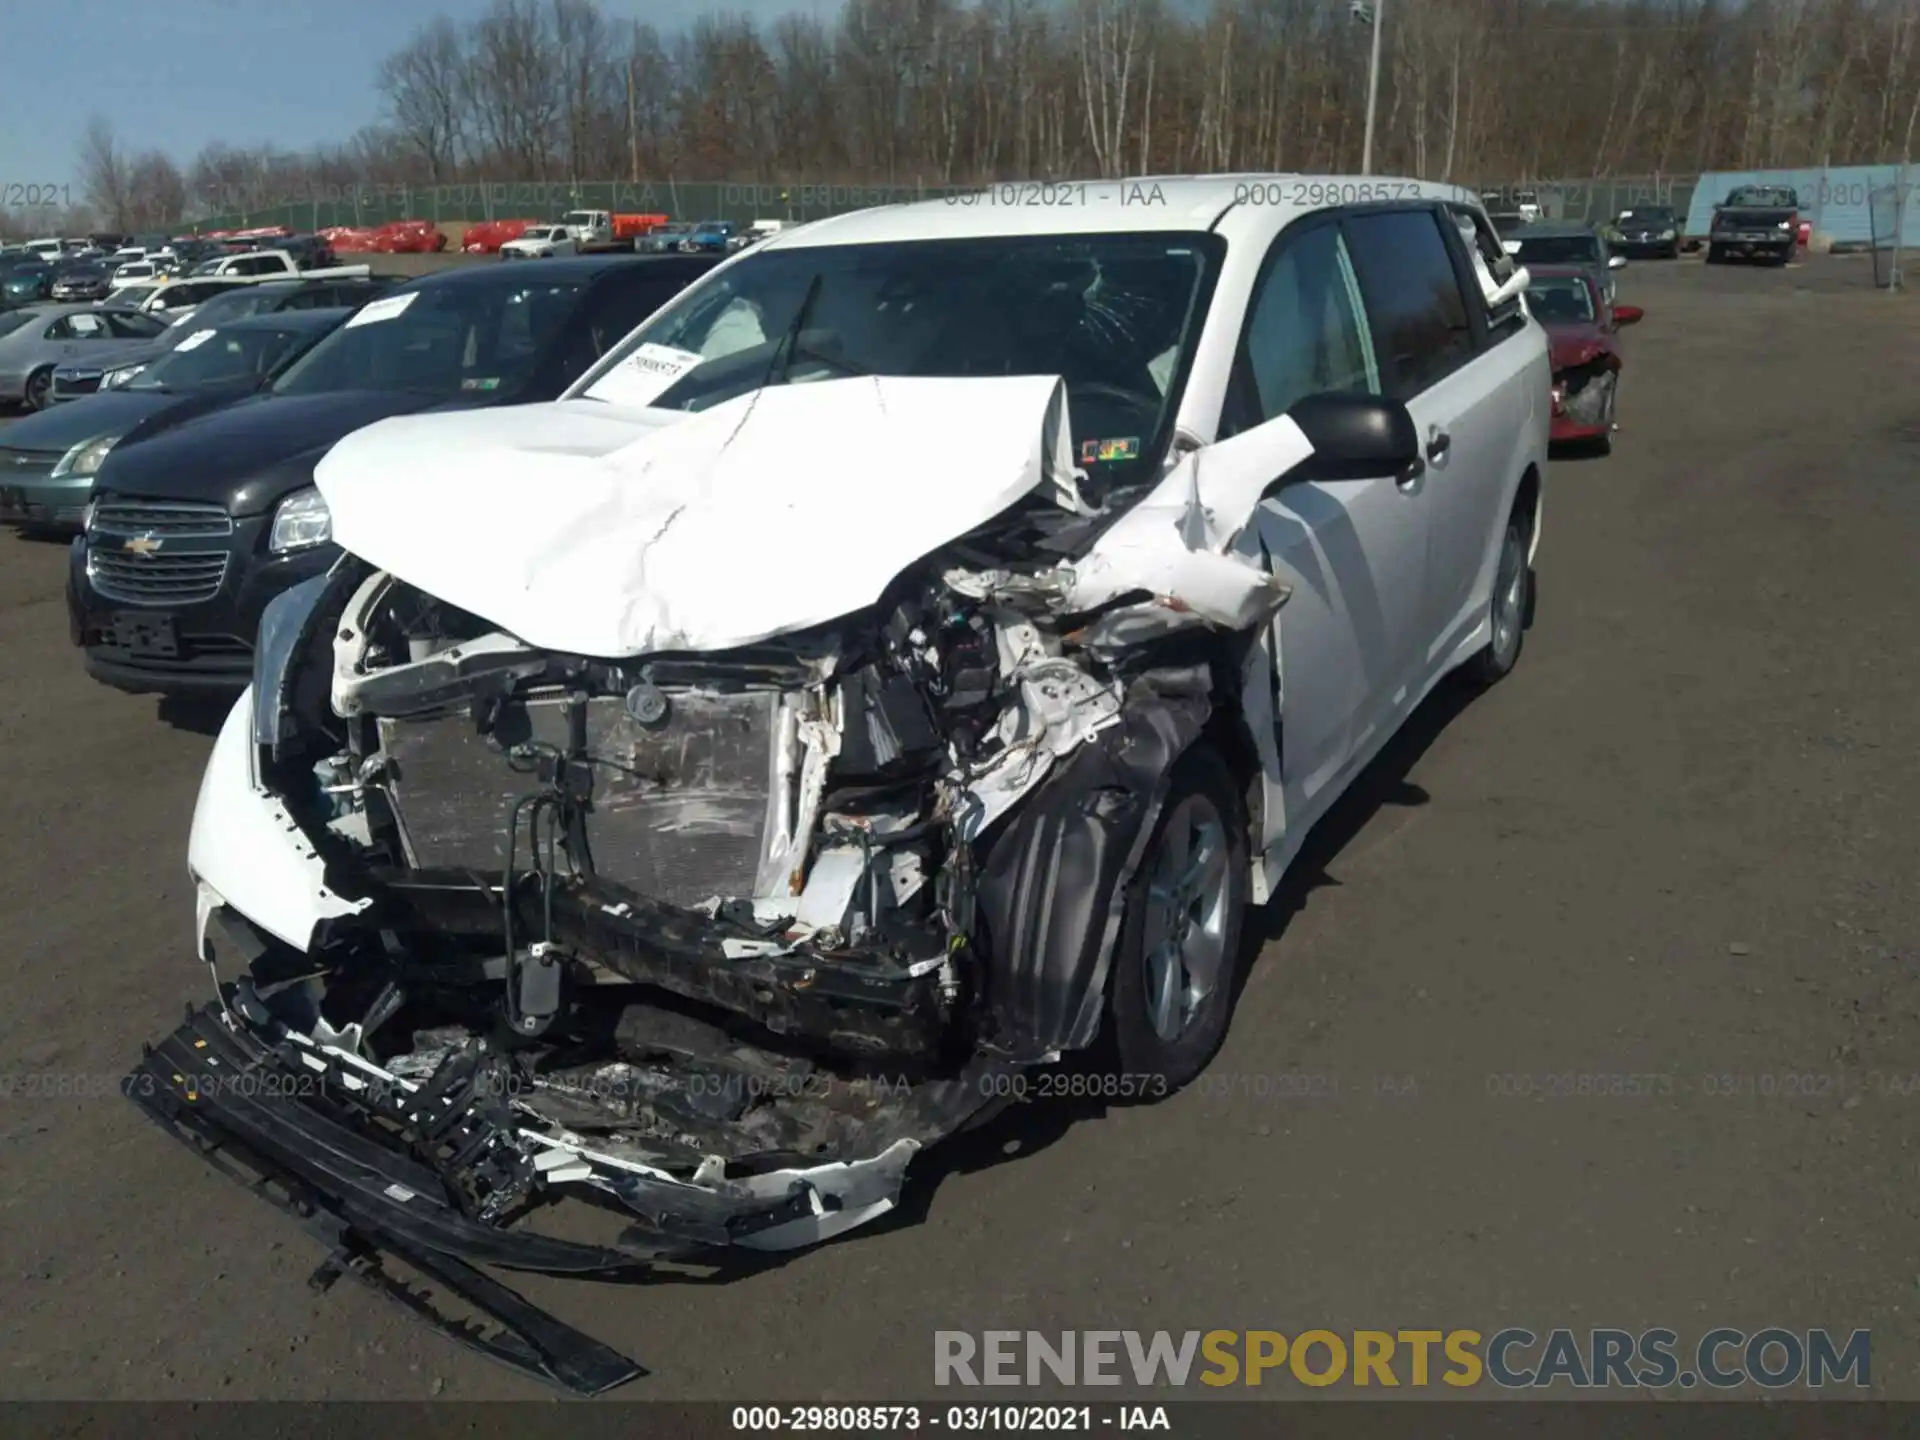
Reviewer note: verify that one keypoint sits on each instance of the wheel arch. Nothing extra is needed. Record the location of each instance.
(1051, 888)
(1526, 505)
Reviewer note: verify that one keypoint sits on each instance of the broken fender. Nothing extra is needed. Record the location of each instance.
(1178, 542)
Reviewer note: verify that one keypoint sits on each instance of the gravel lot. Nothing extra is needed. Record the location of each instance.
(1678, 842)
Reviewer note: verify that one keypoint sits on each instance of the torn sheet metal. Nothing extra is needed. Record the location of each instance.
(617, 535)
(1061, 708)
(1176, 542)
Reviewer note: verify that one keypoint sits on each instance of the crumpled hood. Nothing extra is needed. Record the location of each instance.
(598, 530)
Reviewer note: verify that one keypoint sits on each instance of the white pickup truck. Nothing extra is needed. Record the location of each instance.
(541, 241)
(588, 228)
(273, 265)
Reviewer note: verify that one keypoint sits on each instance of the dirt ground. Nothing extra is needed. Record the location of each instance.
(1678, 842)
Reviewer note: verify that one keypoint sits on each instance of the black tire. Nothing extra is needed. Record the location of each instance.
(1714, 255)
(1510, 608)
(1202, 794)
(38, 391)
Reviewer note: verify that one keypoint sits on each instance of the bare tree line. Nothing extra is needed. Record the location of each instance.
(946, 92)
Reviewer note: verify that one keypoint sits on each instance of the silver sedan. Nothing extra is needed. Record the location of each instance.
(36, 338)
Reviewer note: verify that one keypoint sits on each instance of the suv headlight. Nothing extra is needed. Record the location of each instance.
(300, 523)
(114, 379)
(86, 457)
(1786, 224)
(1666, 234)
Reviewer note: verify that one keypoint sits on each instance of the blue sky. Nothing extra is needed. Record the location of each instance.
(180, 73)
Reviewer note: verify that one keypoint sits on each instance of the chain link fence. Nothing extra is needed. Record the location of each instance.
(319, 207)
(1887, 209)
(1598, 200)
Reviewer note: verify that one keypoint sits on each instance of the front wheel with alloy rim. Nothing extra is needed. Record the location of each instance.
(1177, 963)
(39, 389)
(1511, 604)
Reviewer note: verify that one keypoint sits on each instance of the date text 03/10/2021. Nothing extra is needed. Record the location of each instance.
(961, 1419)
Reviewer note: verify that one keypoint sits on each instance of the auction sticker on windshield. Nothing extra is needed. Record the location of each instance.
(385, 308)
(643, 375)
(196, 339)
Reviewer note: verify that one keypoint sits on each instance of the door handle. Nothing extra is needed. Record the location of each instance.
(1438, 442)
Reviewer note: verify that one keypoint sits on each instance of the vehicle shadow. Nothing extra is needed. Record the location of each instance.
(199, 715)
(1022, 1129)
(46, 534)
(1578, 450)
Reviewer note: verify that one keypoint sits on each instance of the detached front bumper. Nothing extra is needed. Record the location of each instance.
(325, 1136)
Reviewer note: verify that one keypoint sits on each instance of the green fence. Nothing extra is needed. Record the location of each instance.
(743, 201)
(1600, 200)
(318, 207)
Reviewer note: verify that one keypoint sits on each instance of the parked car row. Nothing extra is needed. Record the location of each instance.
(1760, 222)
(581, 232)
(184, 453)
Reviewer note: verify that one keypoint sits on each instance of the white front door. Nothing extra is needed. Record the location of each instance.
(1353, 551)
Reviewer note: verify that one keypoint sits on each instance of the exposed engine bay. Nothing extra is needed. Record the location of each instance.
(722, 905)
(726, 936)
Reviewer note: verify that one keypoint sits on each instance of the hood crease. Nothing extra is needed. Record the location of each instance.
(601, 530)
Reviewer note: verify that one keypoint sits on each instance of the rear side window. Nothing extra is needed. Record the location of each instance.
(1418, 315)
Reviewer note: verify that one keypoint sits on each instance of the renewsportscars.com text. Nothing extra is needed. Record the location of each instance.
(1512, 1358)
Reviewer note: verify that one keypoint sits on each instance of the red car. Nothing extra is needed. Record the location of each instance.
(1581, 328)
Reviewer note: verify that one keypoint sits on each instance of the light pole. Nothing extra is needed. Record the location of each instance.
(1370, 11)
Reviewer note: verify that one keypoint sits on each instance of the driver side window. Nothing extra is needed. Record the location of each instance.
(1306, 332)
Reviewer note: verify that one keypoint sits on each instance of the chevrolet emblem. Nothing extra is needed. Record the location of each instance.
(140, 544)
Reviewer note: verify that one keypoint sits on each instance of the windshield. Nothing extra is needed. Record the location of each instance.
(1114, 315)
(128, 294)
(1560, 299)
(1655, 216)
(1770, 195)
(233, 305)
(443, 340)
(1559, 249)
(217, 357)
(11, 321)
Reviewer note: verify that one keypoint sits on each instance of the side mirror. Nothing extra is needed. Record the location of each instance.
(1616, 262)
(1357, 437)
(1628, 314)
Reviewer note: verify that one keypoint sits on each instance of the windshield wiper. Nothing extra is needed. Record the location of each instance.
(783, 352)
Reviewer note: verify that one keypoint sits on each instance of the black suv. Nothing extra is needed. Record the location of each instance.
(229, 303)
(193, 531)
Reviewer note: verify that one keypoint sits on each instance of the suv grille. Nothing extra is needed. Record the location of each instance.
(121, 567)
(171, 519)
